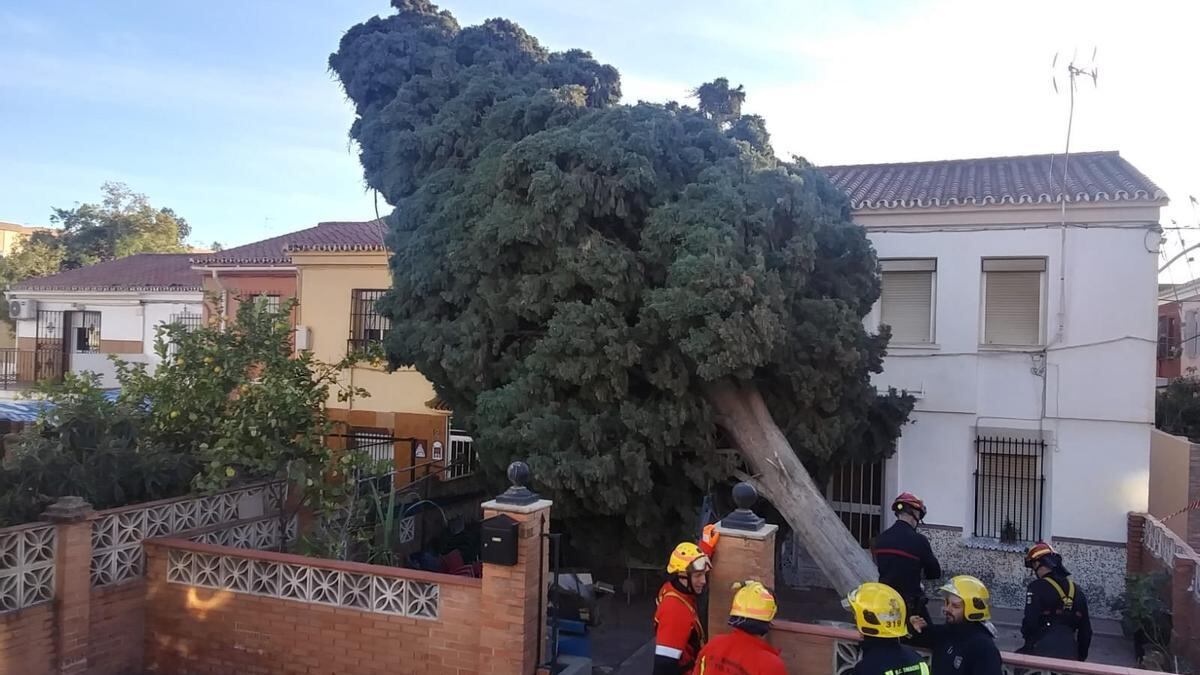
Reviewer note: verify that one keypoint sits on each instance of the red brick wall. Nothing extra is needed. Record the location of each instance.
(27, 641)
(201, 630)
(1181, 576)
(115, 636)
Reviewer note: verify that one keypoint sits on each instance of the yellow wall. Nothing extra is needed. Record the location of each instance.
(1170, 461)
(325, 283)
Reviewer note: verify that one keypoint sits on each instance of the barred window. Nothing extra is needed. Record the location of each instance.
(268, 301)
(189, 322)
(367, 325)
(461, 460)
(1009, 486)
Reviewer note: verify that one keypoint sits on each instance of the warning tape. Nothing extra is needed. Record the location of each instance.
(1190, 507)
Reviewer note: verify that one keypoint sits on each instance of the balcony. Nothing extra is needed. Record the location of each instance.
(23, 368)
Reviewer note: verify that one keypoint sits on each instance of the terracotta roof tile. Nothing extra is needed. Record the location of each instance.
(329, 236)
(142, 272)
(1091, 177)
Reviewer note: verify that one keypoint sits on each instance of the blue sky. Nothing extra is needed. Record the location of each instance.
(225, 112)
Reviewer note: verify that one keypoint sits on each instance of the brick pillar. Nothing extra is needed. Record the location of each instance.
(1182, 620)
(1192, 518)
(1134, 539)
(72, 518)
(746, 551)
(513, 601)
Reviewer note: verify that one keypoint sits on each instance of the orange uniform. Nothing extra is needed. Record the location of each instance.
(678, 631)
(739, 653)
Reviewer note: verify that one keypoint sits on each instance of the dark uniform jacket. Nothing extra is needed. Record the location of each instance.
(1050, 628)
(888, 657)
(967, 648)
(904, 558)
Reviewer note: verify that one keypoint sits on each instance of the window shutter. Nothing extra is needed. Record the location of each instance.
(1012, 307)
(905, 301)
(1189, 334)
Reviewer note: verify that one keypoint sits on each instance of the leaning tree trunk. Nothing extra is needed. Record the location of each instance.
(782, 479)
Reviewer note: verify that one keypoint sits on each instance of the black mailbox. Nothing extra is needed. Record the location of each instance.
(500, 540)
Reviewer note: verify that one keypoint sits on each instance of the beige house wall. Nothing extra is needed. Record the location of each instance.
(1170, 460)
(325, 283)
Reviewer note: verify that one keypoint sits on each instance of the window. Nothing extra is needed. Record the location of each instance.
(1190, 326)
(1008, 487)
(268, 301)
(461, 460)
(1012, 301)
(85, 332)
(189, 322)
(906, 300)
(377, 443)
(367, 325)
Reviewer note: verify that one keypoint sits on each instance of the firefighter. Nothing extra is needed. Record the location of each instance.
(880, 617)
(966, 643)
(1056, 620)
(904, 557)
(678, 629)
(745, 649)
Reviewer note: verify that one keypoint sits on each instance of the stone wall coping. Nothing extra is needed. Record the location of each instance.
(320, 563)
(539, 505)
(180, 498)
(1019, 661)
(31, 525)
(758, 535)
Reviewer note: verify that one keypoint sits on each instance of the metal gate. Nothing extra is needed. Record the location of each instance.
(855, 491)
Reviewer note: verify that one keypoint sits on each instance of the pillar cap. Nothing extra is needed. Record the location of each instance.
(517, 494)
(742, 518)
(68, 510)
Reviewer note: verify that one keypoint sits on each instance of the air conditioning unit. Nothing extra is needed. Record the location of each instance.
(303, 339)
(22, 309)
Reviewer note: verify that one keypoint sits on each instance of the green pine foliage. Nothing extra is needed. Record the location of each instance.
(570, 272)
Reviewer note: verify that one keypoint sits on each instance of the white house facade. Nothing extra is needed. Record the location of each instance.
(114, 308)
(1027, 333)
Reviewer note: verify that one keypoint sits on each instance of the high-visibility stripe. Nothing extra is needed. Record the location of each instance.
(896, 551)
(669, 652)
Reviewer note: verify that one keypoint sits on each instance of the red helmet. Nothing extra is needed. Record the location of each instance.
(1041, 554)
(911, 504)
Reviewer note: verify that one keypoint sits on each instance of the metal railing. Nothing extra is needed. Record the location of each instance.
(22, 368)
(1009, 488)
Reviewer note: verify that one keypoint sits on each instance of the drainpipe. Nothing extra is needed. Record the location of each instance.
(224, 296)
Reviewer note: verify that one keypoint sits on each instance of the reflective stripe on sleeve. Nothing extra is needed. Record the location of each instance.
(669, 652)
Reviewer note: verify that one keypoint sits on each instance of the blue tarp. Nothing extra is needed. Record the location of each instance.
(27, 410)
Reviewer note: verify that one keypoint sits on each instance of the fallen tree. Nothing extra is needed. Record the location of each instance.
(597, 288)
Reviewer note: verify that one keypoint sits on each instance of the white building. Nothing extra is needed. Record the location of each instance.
(76, 320)
(1027, 332)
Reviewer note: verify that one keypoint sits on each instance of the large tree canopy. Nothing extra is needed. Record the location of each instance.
(598, 287)
(122, 224)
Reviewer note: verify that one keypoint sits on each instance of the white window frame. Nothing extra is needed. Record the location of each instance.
(887, 265)
(1013, 264)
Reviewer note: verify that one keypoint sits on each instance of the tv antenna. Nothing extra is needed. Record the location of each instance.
(1075, 71)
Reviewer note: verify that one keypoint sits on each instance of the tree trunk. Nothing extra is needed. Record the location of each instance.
(780, 477)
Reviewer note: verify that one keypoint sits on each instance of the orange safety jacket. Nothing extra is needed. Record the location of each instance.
(739, 653)
(678, 633)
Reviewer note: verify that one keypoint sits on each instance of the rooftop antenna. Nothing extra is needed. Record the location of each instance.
(1075, 71)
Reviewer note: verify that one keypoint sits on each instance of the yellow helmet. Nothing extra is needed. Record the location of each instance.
(753, 601)
(974, 595)
(878, 610)
(686, 558)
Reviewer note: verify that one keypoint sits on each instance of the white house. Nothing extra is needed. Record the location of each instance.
(1024, 321)
(76, 319)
